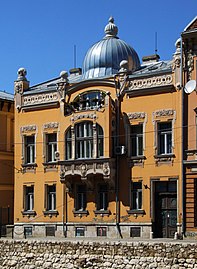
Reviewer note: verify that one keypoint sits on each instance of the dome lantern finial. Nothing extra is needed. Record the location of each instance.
(111, 30)
(111, 19)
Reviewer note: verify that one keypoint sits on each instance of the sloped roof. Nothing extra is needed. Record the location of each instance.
(192, 25)
(6, 96)
(149, 69)
(154, 68)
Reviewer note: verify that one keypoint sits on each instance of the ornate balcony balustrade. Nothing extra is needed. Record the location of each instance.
(87, 170)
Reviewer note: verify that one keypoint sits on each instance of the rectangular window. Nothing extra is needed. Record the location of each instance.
(136, 196)
(51, 197)
(102, 197)
(29, 198)
(101, 231)
(3, 132)
(68, 145)
(137, 140)
(79, 231)
(50, 230)
(100, 141)
(84, 140)
(51, 147)
(28, 231)
(30, 149)
(164, 138)
(81, 198)
(135, 232)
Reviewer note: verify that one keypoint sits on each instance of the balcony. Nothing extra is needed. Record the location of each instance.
(87, 169)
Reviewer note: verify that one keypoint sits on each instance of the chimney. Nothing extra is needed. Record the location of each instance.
(150, 59)
(75, 72)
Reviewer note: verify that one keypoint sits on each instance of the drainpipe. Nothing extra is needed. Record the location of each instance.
(117, 167)
(63, 208)
(182, 134)
(64, 213)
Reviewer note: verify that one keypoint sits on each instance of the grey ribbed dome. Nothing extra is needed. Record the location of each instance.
(104, 57)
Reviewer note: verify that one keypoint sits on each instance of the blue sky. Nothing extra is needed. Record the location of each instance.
(40, 35)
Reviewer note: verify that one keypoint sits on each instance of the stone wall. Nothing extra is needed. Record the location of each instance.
(35, 254)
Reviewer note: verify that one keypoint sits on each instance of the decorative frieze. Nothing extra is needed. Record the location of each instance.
(136, 115)
(83, 116)
(50, 125)
(164, 113)
(40, 99)
(150, 82)
(28, 129)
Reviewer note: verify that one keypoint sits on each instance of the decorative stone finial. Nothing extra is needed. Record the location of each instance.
(64, 75)
(178, 45)
(111, 30)
(177, 55)
(22, 72)
(124, 66)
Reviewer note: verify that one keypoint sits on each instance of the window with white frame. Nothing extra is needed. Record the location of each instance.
(29, 149)
(51, 197)
(102, 197)
(80, 231)
(68, 144)
(164, 137)
(51, 147)
(84, 141)
(28, 198)
(136, 196)
(81, 198)
(136, 140)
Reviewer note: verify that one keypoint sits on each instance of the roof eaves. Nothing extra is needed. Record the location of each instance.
(195, 18)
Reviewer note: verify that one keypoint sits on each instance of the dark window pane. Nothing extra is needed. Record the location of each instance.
(81, 198)
(136, 195)
(101, 231)
(164, 137)
(79, 231)
(137, 140)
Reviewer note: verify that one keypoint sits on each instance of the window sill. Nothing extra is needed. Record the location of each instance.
(51, 213)
(136, 212)
(164, 157)
(102, 212)
(49, 166)
(137, 160)
(80, 213)
(29, 165)
(28, 213)
(50, 163)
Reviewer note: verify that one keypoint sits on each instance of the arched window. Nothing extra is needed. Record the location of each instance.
(82, 140)
(89, 100)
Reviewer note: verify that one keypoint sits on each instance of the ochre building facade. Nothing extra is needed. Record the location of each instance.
(6, 160)
(189, 41)
(98, 152)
